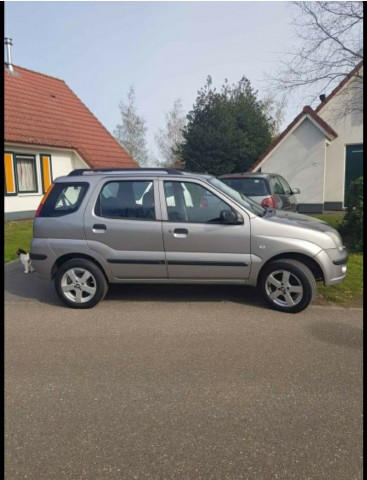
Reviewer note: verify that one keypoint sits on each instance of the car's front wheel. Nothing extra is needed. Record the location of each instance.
(287, 285)
(80, 283)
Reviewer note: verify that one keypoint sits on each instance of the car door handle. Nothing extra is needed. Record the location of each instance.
(179, 232)
(99, 228)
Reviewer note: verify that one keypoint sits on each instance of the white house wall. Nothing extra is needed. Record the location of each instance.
(23, 205)
(300, 159)
(350, 131)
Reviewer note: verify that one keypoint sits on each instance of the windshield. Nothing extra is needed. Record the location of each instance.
(250, 186)
(238, 197)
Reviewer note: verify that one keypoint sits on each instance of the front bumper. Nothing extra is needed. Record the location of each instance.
(334, 265)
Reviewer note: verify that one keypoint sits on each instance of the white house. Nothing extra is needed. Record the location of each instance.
(48, 133)
(321, 151)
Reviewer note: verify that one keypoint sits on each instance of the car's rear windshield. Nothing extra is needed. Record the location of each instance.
(63, 199)
(252, 187)
(238, 197)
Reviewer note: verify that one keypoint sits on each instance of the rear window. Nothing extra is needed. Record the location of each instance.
(64, 198)
(252, 187)
(127, 200)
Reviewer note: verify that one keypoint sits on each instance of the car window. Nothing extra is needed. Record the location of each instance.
(193, 203)
(126, 200)
(64, 199)
(140, 188)
(110, 189)
(285, 185)
(238, 197)
(249, 186)
(276, 185)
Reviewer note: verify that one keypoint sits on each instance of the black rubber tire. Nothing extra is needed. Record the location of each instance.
(96, 281)
(301, 284)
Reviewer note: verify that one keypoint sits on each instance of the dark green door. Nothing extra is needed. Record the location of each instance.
(353, 168)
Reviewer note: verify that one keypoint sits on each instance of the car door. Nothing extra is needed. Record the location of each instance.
(198, 244)
(293, 202)
(123, 224)
(282, 201)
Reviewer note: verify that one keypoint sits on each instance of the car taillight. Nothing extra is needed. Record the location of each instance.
(38, 211)
(268, 202)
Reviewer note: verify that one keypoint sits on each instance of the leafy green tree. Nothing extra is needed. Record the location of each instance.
(227, 130)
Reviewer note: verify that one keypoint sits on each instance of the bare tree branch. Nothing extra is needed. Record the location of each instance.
(330, 45)
(131, 132)
(171, 137)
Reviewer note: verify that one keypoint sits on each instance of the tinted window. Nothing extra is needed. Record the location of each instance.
(63, 199)
(285, 185)
(238, 197)
(251, 187)
(276, 186)
(126, 200)
(190, 202)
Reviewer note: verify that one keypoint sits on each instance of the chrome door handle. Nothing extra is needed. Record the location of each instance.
(99, 228)
(179, 232)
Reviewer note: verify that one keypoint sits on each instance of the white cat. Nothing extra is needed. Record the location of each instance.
(26, 261)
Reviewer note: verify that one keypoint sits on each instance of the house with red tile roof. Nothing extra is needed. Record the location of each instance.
(321, 150)
(48, 132)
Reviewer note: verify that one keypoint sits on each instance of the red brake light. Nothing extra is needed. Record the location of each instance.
(38, 211)
(268, 202)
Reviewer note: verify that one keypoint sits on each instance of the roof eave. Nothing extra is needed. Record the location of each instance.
(307, 113)
(339, 87)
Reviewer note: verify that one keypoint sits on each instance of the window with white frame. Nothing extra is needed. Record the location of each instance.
(25, 166)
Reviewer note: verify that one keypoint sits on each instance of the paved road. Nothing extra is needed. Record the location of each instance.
(179, 383)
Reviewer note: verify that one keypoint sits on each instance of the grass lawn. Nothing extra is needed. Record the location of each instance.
(18, 234)
(350, 291)
(332, 218)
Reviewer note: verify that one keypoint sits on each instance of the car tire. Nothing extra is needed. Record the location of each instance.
(287, 285)
(80, 283)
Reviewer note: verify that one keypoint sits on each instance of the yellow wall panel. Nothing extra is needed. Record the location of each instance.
(46, 172)
(9, 173)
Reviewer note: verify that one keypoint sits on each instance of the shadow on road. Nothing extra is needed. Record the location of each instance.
(20, 286)
(185, 293)
(337, 333)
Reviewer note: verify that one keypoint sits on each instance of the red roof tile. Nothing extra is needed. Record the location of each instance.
(306, 111)
(42, 110)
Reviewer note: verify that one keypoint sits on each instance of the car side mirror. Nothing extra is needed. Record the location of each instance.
(230, 217)
(296, 191)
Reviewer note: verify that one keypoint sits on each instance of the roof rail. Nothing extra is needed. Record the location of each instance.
(81, 171)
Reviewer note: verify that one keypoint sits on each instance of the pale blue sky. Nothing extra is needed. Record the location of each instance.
(165, 49)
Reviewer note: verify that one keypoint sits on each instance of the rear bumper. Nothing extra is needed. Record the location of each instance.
(38, 256)
(42, 256)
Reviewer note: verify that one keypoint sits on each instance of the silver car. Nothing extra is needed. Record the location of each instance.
(268, 189)
(96, 227)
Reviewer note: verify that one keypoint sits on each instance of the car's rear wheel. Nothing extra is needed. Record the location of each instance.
(80, 283)
(288, 285)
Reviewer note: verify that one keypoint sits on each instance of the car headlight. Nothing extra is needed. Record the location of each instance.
(337, 239)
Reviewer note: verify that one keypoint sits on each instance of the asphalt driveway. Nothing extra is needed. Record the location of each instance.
(178, 382)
